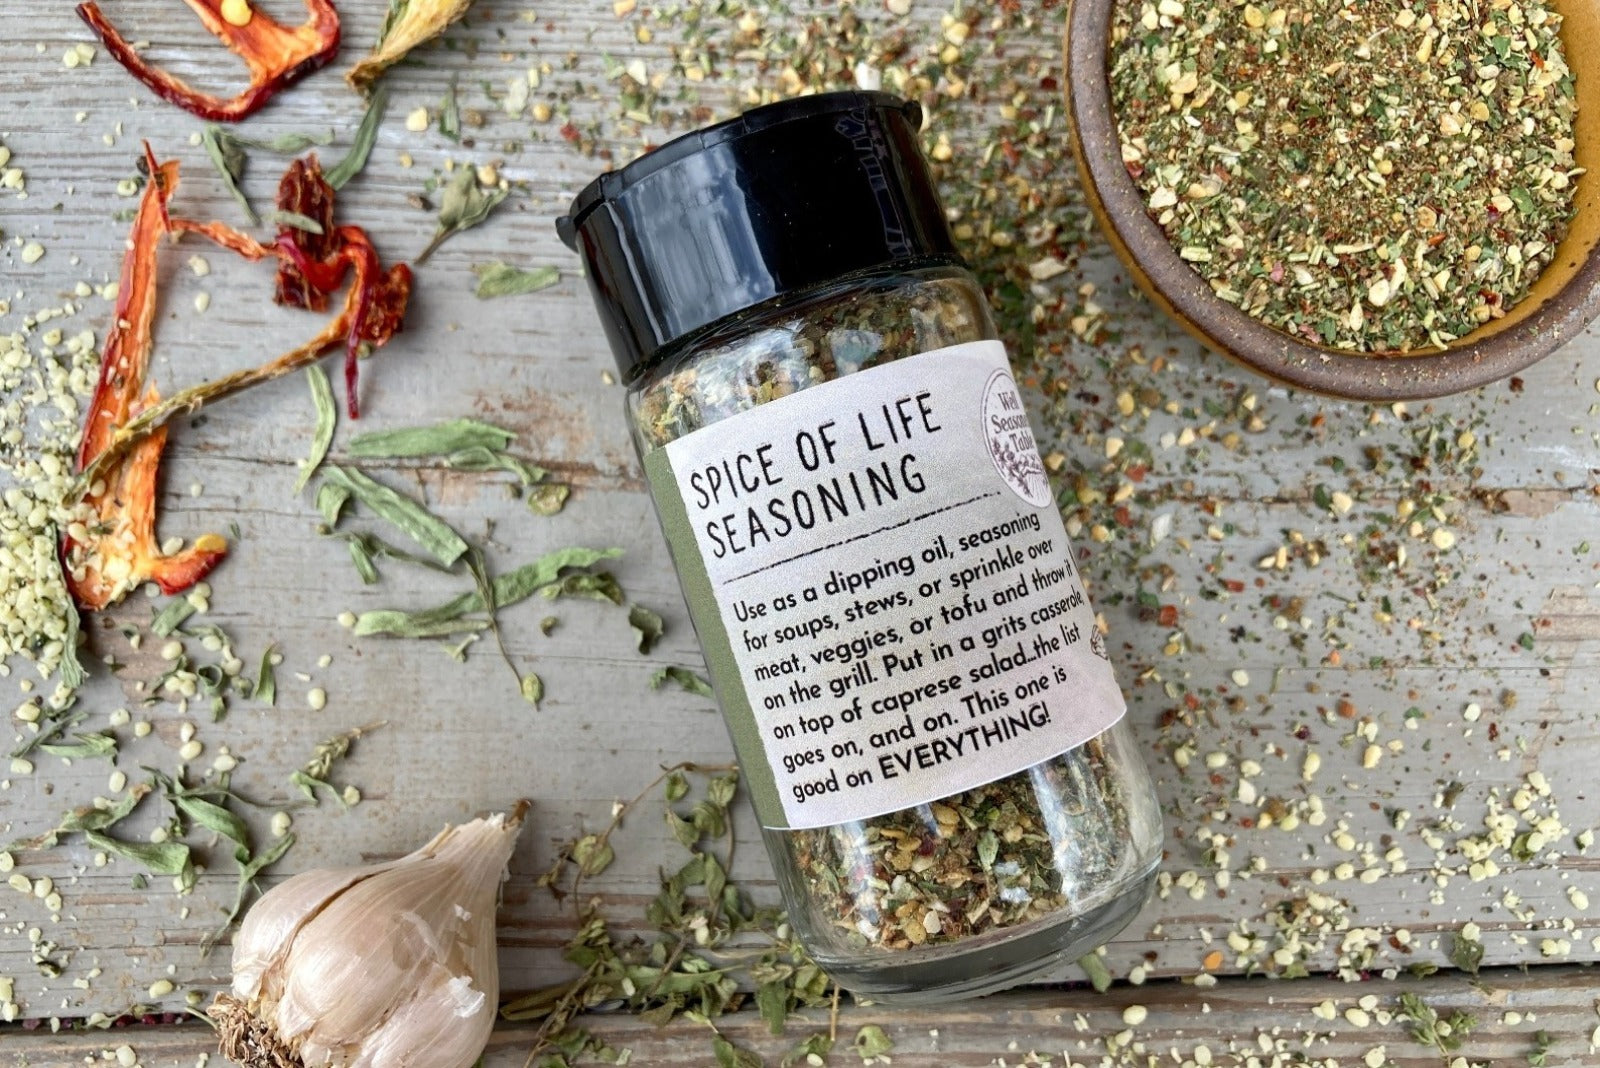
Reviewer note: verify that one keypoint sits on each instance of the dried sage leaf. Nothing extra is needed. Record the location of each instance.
(366, 137)
(423, 527)
(450, 113)
(296, 221)
(229, 159)
(331, 500)
(871, 1041)
(532, 689)
(548, 498)
(442, 439)
(327, 421)
(510, 588)
(499, 279)
(266, 687)
(685, 678)
(485, 459)
(593, 854)
(595, 586)
(84, 747)
(171, 617)
(1094, 966)
(463, 205)
(158, 858)
(647, 627)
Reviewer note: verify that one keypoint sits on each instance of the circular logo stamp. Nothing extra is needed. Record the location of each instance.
(1010, 438)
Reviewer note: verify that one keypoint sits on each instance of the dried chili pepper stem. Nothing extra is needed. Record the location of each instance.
(277, 56)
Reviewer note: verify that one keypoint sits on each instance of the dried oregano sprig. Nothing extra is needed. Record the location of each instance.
(709, 940)
(1382, 176)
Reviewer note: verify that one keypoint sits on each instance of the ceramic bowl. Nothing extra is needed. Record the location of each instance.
(1563, 300)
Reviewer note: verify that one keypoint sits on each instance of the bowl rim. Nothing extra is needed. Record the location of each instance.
(1144, 248)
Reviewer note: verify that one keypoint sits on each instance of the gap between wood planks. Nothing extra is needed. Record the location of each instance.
(1235, 1021)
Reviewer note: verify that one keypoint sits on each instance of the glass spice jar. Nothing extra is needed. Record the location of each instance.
(921, 702)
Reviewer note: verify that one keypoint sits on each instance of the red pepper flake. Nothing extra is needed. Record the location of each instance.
(276, 55)
(125, 428)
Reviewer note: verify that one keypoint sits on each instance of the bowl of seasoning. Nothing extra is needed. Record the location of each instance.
(1371, 199)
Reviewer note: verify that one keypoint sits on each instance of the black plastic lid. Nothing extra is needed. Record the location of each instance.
(777, 201)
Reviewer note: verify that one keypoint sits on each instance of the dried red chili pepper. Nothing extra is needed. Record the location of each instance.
(276, 55)
(125, 432)
(121, 551)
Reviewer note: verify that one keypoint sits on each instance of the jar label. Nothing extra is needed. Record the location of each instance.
(884, 590)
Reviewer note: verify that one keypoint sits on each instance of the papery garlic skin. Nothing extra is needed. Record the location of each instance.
(392, 966)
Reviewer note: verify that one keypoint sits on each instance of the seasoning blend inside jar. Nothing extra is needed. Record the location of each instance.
(899, 638)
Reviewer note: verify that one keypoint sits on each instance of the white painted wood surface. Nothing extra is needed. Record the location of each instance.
(459, 740)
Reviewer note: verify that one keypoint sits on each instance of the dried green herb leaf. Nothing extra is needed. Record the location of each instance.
(510, 588)
(1094, 966)
(871, 1041)
(72, 674)
(327, 420)
(84, 747)
(730, 1056)
(230, 160)
(593, 854)
(423, 527)
(685, 832)
(373, 548)
(772, 1000)
(677, 786)
(297, 221)
(171, 617)
(366, 137)
(647, 627)
(1539, 1056)
(818, 1045)
(361, 557)
(486, 459)
(684, 678)
(266, 858)
(212, 817)
(158, 858)
(450, 113)
(499, 279)
(289, 144)
(532, 689)
(266, 687)
(441, 439)
(101, 819)
(595, 586)
(721, 790)
(1466, 953)
(548, 498)
(462, 205)
(331, 500)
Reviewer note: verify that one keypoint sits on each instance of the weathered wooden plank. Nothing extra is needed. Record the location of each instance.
(535, 365)
(1237, 1022)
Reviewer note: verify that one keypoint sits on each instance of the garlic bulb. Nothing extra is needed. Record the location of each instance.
(388, 966)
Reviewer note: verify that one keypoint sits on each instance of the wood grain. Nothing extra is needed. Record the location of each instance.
(459, 740)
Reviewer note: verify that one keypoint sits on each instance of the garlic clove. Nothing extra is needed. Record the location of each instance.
(392, 966)
(444, 1026)
(272, 923)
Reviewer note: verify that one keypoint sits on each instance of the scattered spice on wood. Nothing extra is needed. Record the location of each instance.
(1378, 177)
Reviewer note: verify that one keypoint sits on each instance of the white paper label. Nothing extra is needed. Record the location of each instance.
(897, 589)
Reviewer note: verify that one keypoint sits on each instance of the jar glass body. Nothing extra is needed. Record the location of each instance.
(969, 893)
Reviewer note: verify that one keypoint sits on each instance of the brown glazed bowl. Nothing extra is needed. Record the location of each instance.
(1564, 299)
